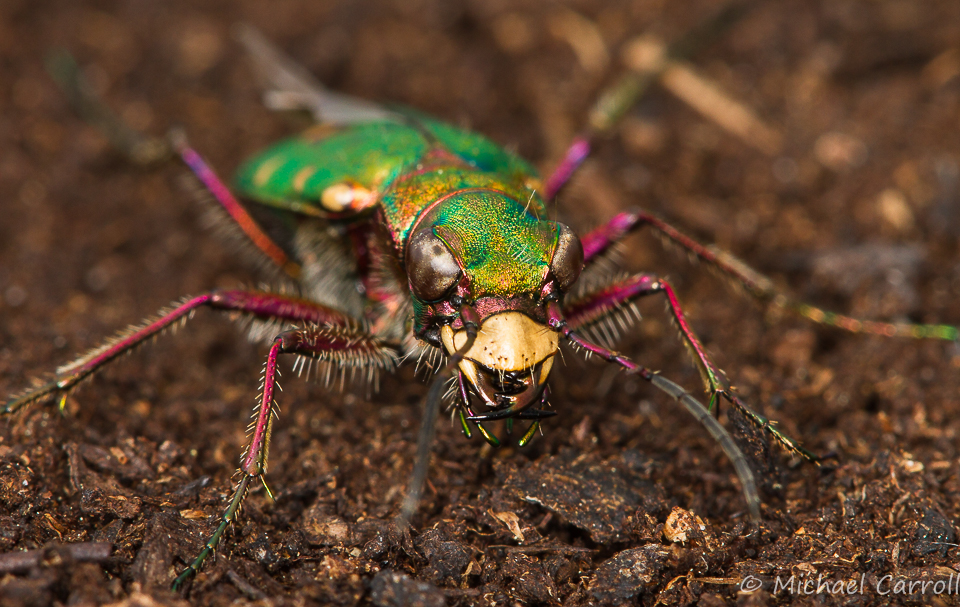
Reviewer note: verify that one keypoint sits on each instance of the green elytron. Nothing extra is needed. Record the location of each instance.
(404, 235)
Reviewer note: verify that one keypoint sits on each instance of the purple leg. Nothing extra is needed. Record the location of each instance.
(342, 346)
(597, 242)
(144, 150)
(576, 154)
(598, 305)
(601, 304)
(208, 177)
(615, 101)
(556, 321)
(256, 304)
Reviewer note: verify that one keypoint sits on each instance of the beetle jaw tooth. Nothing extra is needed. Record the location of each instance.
(545, 370)
(467, 366)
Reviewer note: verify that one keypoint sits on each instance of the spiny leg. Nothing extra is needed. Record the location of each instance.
(598, 241)
(290, 86)
(599, 305)
(260, 305)
(236, 211)
(340, 346)
(556, 321)
(142, 150)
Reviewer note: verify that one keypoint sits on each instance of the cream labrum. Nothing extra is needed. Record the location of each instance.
(510, 360)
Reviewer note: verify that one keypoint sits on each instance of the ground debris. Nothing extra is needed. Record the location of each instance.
(23, 560)
(597, 496)
(447, 558)
(628, 573)
(152, 565)
(935, 533)
(395, 589)
(529, 580)
(683, 526)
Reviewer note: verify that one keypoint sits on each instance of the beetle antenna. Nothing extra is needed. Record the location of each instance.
(431, 409)
(748, 484)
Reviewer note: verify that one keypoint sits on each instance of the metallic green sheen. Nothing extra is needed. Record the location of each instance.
(371, 155)
(410, 194)
(480, 199)
(483, 153)
(503, 249)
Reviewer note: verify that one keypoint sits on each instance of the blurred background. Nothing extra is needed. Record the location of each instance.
(817, 140)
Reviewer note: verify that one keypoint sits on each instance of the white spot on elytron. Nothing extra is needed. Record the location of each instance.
(266, 170)
(300, 180)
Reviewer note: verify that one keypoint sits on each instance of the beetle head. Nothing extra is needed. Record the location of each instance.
(507, 267)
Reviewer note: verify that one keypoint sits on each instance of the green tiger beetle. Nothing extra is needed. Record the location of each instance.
(404, 235)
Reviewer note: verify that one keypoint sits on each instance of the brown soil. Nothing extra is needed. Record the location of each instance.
(857, 212)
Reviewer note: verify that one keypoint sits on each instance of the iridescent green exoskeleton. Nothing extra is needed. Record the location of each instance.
(434, 219)
(394, 235)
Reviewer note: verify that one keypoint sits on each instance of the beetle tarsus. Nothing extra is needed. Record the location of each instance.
(30, 396)
(341, 346)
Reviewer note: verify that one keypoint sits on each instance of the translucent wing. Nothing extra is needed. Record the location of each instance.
(290, 87)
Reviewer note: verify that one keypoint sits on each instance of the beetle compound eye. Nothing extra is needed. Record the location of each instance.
(431, 266)
(567, 258)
